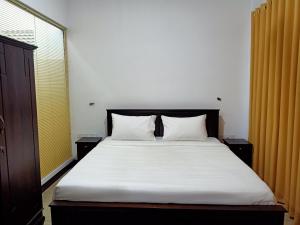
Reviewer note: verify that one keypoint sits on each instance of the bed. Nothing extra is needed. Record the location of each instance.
(163, 182)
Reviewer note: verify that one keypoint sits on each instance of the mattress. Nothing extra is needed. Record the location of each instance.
(185, 172)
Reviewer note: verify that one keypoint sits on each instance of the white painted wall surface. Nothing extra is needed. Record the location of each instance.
(257, 3)
(54, 9)
(155, 54)
(158, 54)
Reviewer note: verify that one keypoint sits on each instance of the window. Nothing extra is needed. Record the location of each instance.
(50, 78)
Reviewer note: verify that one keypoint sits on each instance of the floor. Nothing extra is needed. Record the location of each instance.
(47, 198)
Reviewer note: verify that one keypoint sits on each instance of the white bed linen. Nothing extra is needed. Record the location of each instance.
(187, 172)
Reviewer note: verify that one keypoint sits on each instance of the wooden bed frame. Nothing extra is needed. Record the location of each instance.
(98, 213)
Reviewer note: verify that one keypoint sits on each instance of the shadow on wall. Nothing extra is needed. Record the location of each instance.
(221, 127)
(105, 125)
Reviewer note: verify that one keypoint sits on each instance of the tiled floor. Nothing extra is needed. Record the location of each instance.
(288, 221)
(47, 198)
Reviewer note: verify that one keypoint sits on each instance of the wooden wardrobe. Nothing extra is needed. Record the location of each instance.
(20, 181)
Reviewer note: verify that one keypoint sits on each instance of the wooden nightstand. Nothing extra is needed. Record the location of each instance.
(85, 145)
(241, 148)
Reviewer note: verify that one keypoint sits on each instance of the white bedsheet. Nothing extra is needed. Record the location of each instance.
(188, 172)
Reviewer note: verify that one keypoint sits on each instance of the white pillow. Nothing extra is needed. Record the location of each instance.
(133, 127)
(184, 128)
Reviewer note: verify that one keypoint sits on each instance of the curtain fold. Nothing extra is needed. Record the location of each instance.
(292, 132)
(294, 199)
(258, 83)
(274, 117)
(283, 152)
(270, 100)
(264, 81)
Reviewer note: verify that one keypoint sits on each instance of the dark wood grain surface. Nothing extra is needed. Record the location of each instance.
(238, 141)
(89, 140)
(80, 213)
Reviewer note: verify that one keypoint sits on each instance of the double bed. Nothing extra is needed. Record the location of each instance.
(164, 182)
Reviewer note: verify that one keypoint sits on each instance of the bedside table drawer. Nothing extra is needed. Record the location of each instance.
(83, 149)
(85, 145)
(244, 153)
(241, 148)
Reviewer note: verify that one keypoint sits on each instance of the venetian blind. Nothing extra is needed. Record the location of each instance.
(50, 78)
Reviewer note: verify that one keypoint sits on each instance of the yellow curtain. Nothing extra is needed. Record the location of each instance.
(275, 99)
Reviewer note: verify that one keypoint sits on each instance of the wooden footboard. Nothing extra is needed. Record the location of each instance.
(88, 213)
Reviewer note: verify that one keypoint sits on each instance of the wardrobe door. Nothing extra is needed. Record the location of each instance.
(29, 69)
(24, 192)
(4, 188)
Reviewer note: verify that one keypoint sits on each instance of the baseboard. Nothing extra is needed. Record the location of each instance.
(48, 180)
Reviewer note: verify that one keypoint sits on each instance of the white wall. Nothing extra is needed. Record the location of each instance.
(54, 9)
(158, 54)
(257, 3)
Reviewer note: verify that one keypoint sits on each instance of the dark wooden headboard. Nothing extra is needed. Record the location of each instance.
(212, 117)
